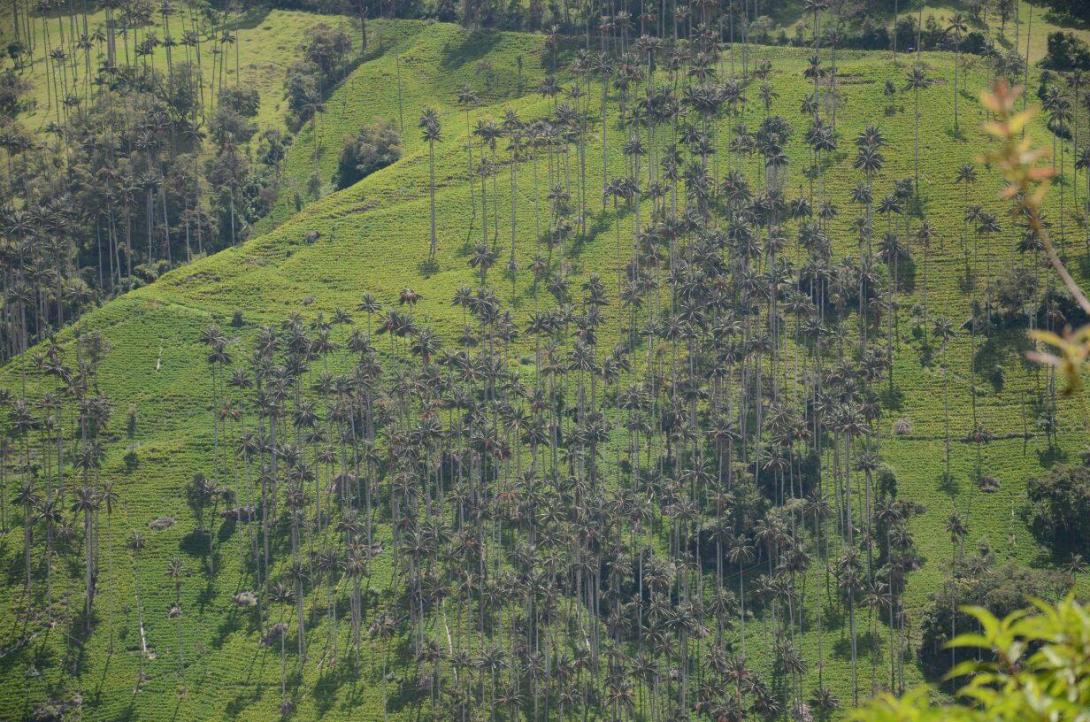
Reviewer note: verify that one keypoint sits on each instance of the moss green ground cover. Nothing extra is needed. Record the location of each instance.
(373, 237)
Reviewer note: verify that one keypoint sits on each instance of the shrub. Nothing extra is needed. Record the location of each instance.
(1058, 509)
(227, 124)
(302, 87)
(375, 146)
(12, 89)
(1066, 52)
(1016, 292)
(976, 43)
(232, 118)
(244, 101)
(887, 482)
(904, 30)
(327, 48)
(1073, 9)
(981, 581)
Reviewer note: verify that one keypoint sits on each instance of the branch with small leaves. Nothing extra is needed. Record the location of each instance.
(1028, 182)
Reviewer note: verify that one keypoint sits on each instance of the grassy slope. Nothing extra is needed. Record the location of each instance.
(373, 237)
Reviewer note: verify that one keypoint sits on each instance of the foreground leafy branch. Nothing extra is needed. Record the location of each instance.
(1037, 668)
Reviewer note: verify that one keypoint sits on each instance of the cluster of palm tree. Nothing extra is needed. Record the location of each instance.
(76, 54)
(593, 532)
(642, 496)
(146, 164)
(1019, 297)
(56, 446)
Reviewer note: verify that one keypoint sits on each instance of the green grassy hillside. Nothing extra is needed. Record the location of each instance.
(374, 237)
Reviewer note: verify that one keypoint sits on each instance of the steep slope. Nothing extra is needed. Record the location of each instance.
(373, 237)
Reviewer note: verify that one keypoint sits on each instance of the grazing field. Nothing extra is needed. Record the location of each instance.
(319, 251)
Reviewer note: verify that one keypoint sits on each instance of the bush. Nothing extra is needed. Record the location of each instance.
(13, 88)
(326, 59)
(1058, 509)
(328, 48)
(375, 146)
(976, 43)
(244, 101)
(302, 88)
(1016, 292)
(228, 125)
(1066, 52)
(232, 118)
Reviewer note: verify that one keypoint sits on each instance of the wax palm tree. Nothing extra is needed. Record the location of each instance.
(217, 357)
(87, 502)
(741, 553)
(1060, 116)
(431, 131)
(944, 331)
(468, 99)
(917, 81)
(28, 499)
(965, 177)
(957, 27)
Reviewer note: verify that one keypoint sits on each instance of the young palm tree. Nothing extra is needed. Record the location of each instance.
(176, 572)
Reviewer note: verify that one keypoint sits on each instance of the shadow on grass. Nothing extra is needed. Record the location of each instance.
(473, 47)
(427, 267)
(948, 484)
(243, 701)
(252, 18)
(892, 398)
(866, 643)
(329, 684)
(1051, 455)
(406, 693)
(126, 715)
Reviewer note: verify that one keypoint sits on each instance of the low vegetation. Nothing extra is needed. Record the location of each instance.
(374, 147)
